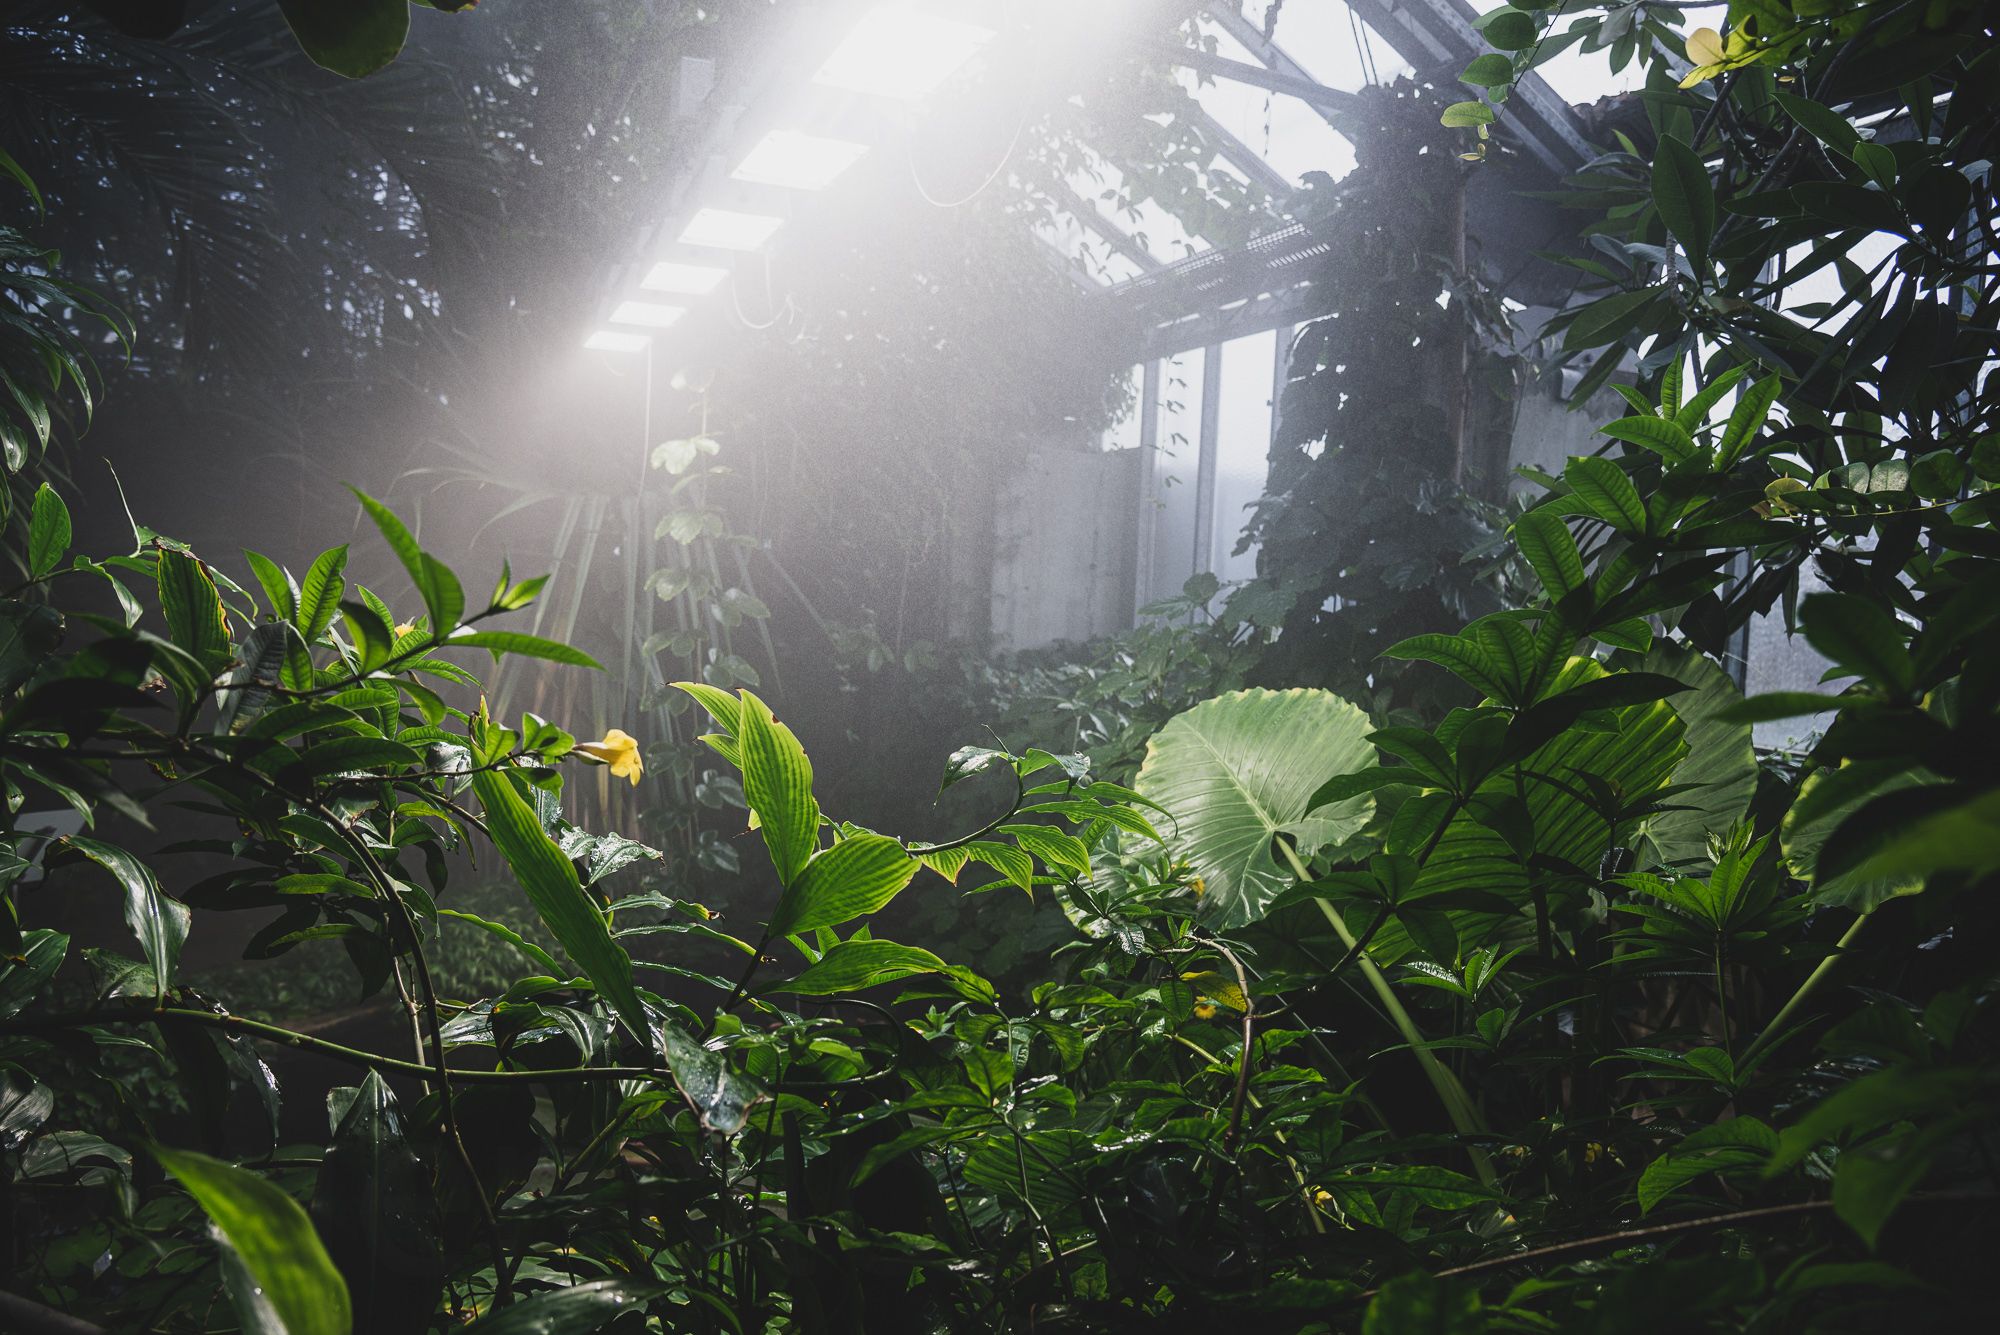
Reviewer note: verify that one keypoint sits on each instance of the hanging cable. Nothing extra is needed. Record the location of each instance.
(992, 176)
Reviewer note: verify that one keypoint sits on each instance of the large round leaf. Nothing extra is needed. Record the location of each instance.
(1234, 771)
(1719, 757)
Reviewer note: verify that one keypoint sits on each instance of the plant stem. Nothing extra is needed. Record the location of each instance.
(272, 1033)
(1773, 1030)
(1457, 1104)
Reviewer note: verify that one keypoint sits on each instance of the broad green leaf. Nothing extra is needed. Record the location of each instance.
(541, 958)
(41, 953)
(858, 875)
(1465, 115)
(852, 966)
(1685, 198)
(192, 608)
(1739, 1144)
(1825, 801)
(1237, 771)
(1545, 540)
(319, 596)
(1860, 636)
(374, 1208)
(1605, 488)
(443, 598)
(1720, 757)
(1668, 439)
(1753, 408)
(279, 591)
(1420, 1304)
(272, 1237)
(528, 646)
(720, 1098)
(48, 532)
(549, 878)
(777, 782)
(574, 1309)
(1062, 853)
(352, 38)
(1608, 319)
(160, 923)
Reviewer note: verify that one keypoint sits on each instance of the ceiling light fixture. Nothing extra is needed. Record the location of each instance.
(723, 229)
(614, 340)
(693, 279)
(798, 161)
(901, 51)
(648, 313)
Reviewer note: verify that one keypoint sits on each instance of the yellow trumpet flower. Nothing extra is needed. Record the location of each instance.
(620, 750)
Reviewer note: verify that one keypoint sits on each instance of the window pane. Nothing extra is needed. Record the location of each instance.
(1242, 446)
(1177, 457)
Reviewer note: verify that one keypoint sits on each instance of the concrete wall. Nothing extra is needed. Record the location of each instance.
(1066, 547)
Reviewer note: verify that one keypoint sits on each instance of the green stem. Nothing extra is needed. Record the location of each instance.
(1457, 1104)
(1813, 980)
(271, 1033)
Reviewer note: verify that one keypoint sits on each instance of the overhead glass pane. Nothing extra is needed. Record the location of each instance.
(1331, 43)
(1169, 556)
(1085, 247)
(1242, 446)
(1289, 135)
(1154, 229)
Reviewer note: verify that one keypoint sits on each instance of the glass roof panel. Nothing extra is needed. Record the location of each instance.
(1331, 43)
(1154, 229)
(1289, 135)
(1085, 247)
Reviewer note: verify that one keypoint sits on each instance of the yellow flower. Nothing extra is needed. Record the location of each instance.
(1322, 1197)
(1204, 1010)
(620, 750)
(404, 628)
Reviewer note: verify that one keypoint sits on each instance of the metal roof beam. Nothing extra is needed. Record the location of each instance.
(1330, 102)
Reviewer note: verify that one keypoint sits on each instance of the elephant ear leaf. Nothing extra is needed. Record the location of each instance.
(1720, 763)
(1236, 771)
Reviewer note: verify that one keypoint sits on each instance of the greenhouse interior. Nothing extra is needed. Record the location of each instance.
(875, 667)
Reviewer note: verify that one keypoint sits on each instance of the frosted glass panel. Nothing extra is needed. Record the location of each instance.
(1176, 460)
(1242, 446)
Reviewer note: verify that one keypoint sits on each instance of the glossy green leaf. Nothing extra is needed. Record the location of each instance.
(48, 532)
(352, 38)
(273, 1238)
(856, 876)
(320, 593)
(160, 923)
(1685, 197)
(853, 966)
(778, 781)
(574, 1309)
(549, 878)
(528, 646)
(1235, 772)
(374, 1208)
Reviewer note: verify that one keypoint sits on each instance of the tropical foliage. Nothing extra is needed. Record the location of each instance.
(1551, 1004)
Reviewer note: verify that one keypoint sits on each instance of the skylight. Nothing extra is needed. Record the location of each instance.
(798, 161)
(651, 314)
(900, 51)
(693, 279)
(723, 229)
(614, 340)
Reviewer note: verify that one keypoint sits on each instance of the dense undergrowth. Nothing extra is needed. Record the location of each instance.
(1560, 1009)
